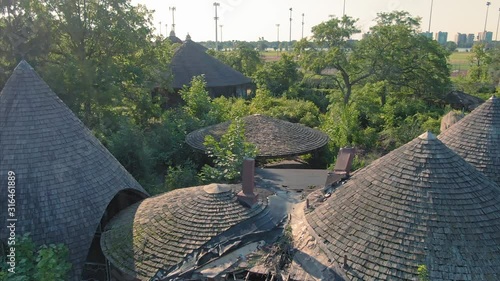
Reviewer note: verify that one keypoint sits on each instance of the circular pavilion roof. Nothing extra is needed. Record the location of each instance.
(65, 177)
(160, 232)
(272, 137)
(477, 138)
(421, 204)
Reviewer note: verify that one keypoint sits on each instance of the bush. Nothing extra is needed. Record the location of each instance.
(184, 175)
(47, 262)
(227, 155)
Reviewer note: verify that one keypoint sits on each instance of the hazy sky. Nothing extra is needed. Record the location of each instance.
(250, 19)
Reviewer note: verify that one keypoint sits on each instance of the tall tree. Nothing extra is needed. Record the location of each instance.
(405, 59)
(332, 50)
(26, 32)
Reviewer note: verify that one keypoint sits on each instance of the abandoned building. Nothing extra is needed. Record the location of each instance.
(272, 137)
(476, 138)
(173, 235)
(191, 59)
(421, 204)
(68, 185)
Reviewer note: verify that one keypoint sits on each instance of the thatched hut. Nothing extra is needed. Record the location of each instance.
(272, 137)
(67, 184)
(421, 204)
(191, 59)
(170, 235)
(477, 138)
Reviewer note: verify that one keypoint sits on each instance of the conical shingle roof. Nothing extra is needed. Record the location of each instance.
(65, 178)
(272, 137)
(421, 204)
(191, 59)
(160, 232)
(477, 138)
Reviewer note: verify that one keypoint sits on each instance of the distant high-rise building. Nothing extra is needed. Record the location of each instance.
(485, 36)
(461, 39)
(427, 34)
(442, 37)
(470, 40)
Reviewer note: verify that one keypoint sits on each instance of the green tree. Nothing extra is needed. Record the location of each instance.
(243, 58)
(227, 155)
(479, 63)
(47, 262)
(406, 60)
(332, 50)
(27, 31)
(278, 76)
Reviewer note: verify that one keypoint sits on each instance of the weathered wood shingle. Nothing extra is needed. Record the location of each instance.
(272, 137)
(191, 59)
(477, 138)
(421, 204)
(160, 232)
(65, 178)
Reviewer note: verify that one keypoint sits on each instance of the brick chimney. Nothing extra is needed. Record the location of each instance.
(247, 195)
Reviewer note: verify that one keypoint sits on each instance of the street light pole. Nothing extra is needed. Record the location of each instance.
(290, 38)
(220, 25)
(173, 18)
(486, 20)
(343, 10)
(160, 27)
(216, 18)
(302, 26)
(430, 17)
(278, 39)
(498, 22)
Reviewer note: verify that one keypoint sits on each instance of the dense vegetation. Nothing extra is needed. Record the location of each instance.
(104, 61)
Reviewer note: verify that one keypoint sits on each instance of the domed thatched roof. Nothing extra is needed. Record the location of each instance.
(191, 59)
(161, 232)
(421, 204)
(272, 137)
(477, 138)
(65, 178)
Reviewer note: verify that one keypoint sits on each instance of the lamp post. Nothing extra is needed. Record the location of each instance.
(173, 18)
(430, 17)
(278, 39)
(221, 42)
(216, 18)
(343, 10)
(486, 19)
(302, 26)
(498, 22)
(160, 27)
(290, 38)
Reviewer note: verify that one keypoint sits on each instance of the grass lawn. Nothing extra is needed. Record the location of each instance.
(460, 61)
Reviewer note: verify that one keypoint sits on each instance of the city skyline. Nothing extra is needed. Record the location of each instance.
(248, 21)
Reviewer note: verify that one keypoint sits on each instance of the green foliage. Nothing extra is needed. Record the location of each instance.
(242, 58)
(406, 60)
(128, 145)
(181, 176)
(480, 60)
(47, 262)
(292, 110)
(278, 76)
(423, 273)
(197, 98)
(227, 155)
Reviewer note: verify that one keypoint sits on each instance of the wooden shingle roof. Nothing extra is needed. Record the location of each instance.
(191, 59)
(65, 178)
(421, 204)
(160, 232)
(477, 138)
(272, 137)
